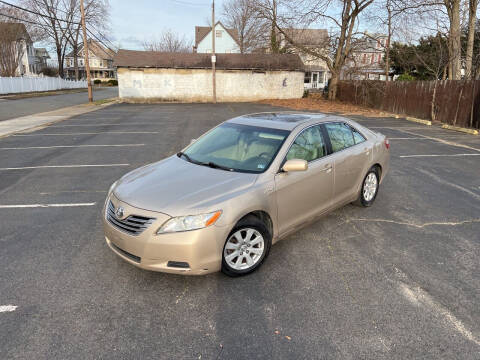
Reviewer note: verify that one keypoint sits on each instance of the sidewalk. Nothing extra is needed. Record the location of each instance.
(31, 122)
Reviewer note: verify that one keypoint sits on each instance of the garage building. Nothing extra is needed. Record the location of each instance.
(187, 77)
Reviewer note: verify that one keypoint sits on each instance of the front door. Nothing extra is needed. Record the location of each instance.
(314, 80)
(305, 194)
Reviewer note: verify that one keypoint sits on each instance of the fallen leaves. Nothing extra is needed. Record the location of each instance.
(318, 103)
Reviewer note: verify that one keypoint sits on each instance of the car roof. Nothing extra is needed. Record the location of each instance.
(285, 120)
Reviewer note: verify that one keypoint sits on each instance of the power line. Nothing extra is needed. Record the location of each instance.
(39, 14)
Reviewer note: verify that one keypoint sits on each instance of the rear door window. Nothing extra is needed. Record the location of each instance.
(341, 136)
(309, 145)
(357, 137)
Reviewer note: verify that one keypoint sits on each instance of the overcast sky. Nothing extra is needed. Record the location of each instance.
(135, 21)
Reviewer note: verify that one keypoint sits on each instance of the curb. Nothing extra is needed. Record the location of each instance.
(464, 130)
(420, 121)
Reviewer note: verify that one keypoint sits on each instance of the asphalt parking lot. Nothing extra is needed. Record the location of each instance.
(399, 280)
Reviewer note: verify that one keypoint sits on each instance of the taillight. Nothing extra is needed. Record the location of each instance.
(387, 143)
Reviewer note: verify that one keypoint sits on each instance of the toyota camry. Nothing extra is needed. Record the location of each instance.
(220, 203)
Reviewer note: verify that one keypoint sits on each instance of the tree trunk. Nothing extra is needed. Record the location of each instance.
(469, 73)
(332, 87)
(434, 98)
(75, 62)
(455, 37)
(389, 38)
(60, 62)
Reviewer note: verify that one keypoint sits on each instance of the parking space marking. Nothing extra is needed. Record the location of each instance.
(7, 308)
(416, 295)
(437, 155)
(407, 138)
(87, 125)
(92, 133)
(62, 166)
(45, 205)
(69, 146)
(442, 141)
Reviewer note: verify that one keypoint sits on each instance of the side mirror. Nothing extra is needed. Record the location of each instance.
(295, 165)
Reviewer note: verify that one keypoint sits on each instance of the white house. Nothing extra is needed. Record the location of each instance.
(316, 70)
(100, 60)
(226, 40)
(30, 62)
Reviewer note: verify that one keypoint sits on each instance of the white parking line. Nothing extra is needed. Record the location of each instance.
(62, 166)
(44, 205)
(92, 133)
(69, 146)
(437, 155)
(407, 138)
(90, 125)
(7, 308)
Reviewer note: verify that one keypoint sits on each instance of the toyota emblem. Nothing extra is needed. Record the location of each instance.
(119, 212)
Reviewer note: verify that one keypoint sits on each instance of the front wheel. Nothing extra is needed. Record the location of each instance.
(369, 190)
(247, 246)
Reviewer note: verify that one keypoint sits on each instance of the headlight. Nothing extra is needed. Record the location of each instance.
(111, 188)
(192, 222)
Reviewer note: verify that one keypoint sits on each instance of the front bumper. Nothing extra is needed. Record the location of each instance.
(200, 249)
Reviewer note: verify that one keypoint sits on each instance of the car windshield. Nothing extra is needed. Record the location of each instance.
(237, 147)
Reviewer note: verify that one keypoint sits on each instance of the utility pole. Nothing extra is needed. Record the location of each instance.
(85, 51)
(214, 57)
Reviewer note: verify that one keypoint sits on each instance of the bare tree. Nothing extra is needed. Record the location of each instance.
(242, 16)
(344, 18)
(472, 19)
(96, 16)
(453, 11)
(169, 41)
(12, 47)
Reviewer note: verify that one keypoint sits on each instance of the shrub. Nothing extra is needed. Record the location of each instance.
(97, 81)
(113, 82)
(305, 93)
(405, 77)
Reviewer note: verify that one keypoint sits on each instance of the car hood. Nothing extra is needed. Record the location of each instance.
(177, 187)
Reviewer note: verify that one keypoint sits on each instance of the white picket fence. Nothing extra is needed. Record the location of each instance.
(13, 85)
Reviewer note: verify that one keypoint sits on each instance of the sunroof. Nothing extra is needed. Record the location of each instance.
(291, 118)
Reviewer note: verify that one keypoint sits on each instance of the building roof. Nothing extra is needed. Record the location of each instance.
(153, 59)
(15, 31)
(42, 52)
(202, 31)
(308, 37)
(97, 49)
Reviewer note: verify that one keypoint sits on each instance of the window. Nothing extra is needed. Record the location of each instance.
(341, 136)
(309, 145)
(238, 147)
(357, 137)
(218, 33)
(308, 76)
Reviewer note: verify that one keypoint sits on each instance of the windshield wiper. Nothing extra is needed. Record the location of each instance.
(216, 166)
(189, 159)
(210, 163)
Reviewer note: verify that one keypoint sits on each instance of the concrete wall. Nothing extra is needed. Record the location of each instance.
(224, 44)
(196, 85)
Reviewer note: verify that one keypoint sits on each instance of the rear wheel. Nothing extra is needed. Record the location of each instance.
(369, 190)
(247, 246)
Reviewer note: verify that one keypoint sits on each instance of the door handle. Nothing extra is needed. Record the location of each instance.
(327, 168)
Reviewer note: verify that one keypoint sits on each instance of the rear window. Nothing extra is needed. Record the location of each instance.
(341, 136)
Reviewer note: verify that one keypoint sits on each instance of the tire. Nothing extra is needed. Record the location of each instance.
(366, 198)
(240, 244)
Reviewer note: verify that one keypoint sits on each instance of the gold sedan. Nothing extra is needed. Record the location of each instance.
(223, 201)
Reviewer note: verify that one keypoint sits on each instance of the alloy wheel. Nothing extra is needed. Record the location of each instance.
(244, 249)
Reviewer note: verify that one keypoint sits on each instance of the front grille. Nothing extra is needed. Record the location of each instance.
(132, 225)
(126, 253)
